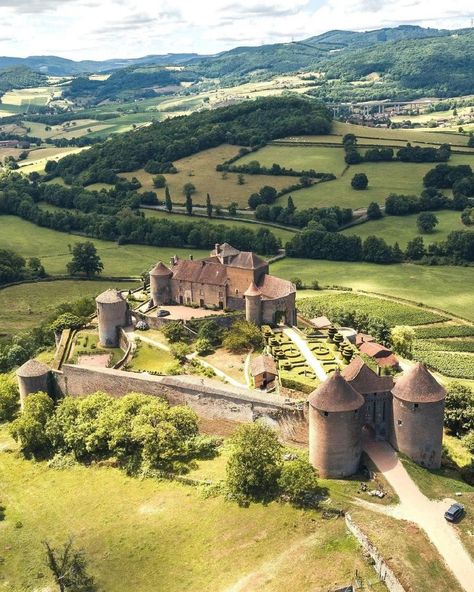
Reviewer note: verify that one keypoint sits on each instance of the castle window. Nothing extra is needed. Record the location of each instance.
(415, 405)
(326, 414)
(236, 291)
(400, 422)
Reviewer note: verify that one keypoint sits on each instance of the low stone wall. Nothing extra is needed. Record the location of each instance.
(209, 398)
(380, 565)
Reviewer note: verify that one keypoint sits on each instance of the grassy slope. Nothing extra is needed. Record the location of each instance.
(52, 247)
(448, 288)
(25, 306)
(149, 536)
(404, 229)
(200, 169)
(285, 235)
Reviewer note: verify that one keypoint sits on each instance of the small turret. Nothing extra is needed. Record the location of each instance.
(112, 313)
(32, 377)
(253, 304)
(160, 288)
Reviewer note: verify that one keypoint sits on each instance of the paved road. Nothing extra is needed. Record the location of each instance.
(426, 513)
(306, 352)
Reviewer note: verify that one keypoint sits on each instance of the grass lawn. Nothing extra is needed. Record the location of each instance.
(37, 159)
(87, 343)
(52, 247)
(321, 159)
(152, 535)
(284, 235)
(200, 169)
(445, 287)
(151, 359)
(27, 305)
(404, 229)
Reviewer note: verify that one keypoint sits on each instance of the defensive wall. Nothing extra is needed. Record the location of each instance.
(210, 399)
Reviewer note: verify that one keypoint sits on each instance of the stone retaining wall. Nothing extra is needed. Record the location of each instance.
(380, 565)
(209, 398)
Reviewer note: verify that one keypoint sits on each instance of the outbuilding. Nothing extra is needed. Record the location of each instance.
(264, 372)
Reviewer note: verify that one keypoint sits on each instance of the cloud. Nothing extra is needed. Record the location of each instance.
(100, 29)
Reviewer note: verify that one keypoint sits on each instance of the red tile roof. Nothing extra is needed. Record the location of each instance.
(160, 269)
(262, 364)
(247, 260)
(252, 290)
(364, 379)
(202, 272)
(273, 287)
(336, 394)
(418, 385)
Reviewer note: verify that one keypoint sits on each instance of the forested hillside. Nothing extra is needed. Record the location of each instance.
(247, 124)
(19, 77)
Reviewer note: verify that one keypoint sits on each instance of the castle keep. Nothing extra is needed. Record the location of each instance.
(408, 414)
(228, 278)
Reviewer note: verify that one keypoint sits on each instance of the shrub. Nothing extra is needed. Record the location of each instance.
(159, 181)
(459, 412)
(359, 181)
(175, 331)
(180, 350)
(203, 346)
(298, 482)
(67, 321)
(254, 465)
(9, 398)
(29, 429)
(243, 336)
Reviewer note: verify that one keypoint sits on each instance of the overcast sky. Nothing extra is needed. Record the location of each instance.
(101, 29)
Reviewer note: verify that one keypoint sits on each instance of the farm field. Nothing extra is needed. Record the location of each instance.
(162, 535)
(404, 229)
(27, 305)
(74, 129)
(384, 178)
(36, 96)
(444, 287)
(320, 158)
(37, 159)
(200, 169)
(284, 235)
(52, 247)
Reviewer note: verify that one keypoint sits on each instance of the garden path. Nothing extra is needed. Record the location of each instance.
(427, 514)
(219, 373)
(307, 353)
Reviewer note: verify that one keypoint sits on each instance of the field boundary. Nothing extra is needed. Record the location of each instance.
(70, 278)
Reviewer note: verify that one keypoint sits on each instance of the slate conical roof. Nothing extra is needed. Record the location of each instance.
(252, 290)
(336, 394)
(418, 385)
(32, 368)
(161, 269)
(109, 297)
(364, 379)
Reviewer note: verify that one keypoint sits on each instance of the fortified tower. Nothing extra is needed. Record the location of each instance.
(253, 304)
(335, 428)
(160, 288)
(418, 414)
(112, 313)
(32, 377)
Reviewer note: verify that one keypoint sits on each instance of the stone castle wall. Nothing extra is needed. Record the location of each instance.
(209, 398)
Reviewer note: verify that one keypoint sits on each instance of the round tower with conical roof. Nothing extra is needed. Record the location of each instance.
(418, 416)
(160, 289)
(335, 428)
(112, 313)
(32, 377)
(253, 304)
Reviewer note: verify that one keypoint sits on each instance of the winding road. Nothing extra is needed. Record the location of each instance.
(427, 514)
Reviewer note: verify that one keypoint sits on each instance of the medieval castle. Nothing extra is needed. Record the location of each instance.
(407, 412)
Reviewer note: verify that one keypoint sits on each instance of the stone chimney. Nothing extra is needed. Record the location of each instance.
(191, 257)
(216, 247)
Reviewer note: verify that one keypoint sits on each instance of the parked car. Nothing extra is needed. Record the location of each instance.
(455, 513)
(162, 313)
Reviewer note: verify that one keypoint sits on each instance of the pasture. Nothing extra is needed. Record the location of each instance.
(284, 235)
(27, 305)
(200, 170)
(36, 160)
(53, 248)
(402, 229)
(161, 535)
(152, 535)
(444, 287)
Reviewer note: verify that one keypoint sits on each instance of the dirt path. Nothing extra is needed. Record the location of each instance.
(426, 513)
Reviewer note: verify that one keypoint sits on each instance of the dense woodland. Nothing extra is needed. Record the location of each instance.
(246, 124)
(19, 77)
